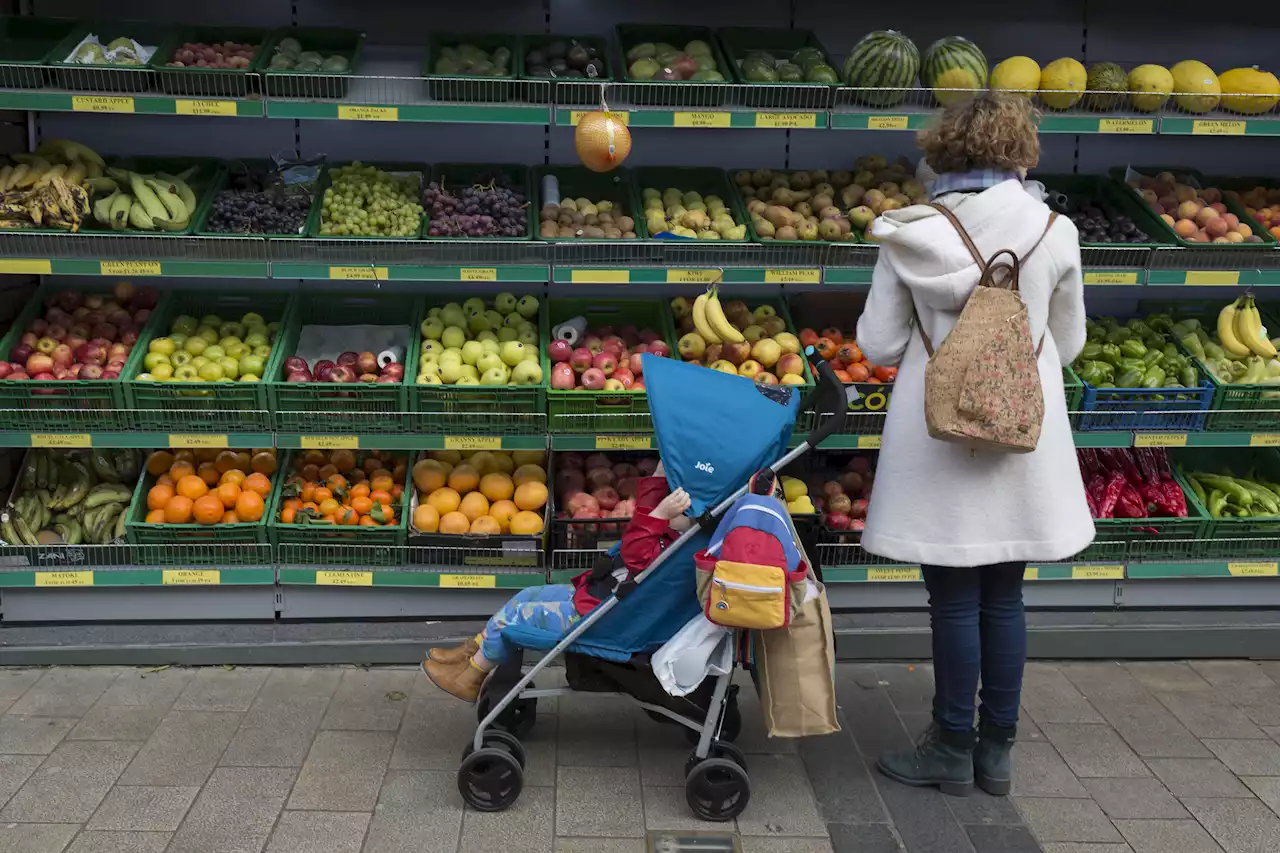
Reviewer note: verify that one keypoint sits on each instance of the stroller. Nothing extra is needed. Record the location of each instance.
(714, 431)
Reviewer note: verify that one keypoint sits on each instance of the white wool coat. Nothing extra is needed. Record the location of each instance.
(942, 503)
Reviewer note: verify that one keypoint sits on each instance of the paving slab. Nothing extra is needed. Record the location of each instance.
(1150, 730)
(119, 722)
(782, 801)
(1167, 676)
(1167, 836)
(1074, 847)
(842, 785)
(922, 819)
(65, 691)
(24, 735)
(529, 825)
(279, 727)
(14, 771)
(370, 700)
(1048, 697)
(1247, 757)
(1265, 788)
(1228, 674)
(136, 808)
(1094, 750)
(217, 689)
(1002, 839)
(1209, 715)
(418, 810)
(36, 837)
(1240, 826)
(70, 783)
(599, 845)
(982, 809)
(1197, 777)
(148, 686)
(1039, 771)
(1059, 819)
(343, 771)
(319, 832)
(14, 682)
(184, 749)
(1135, 799)
(596, 731)
(599, 801)
(120, 842)
(845, 838)
(236, 810)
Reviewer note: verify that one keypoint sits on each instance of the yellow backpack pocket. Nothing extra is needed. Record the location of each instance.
(744, 595)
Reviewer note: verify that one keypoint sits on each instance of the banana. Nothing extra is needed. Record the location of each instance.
(107, 493)
(54, 172)
(102, 466)
(68, 150)
(138, 216)
(76, 172)
(169, 197)
(23, 529)
(1226, 331)
(93, 170)
(1249, 329)
(717, 320)
(42, 472)
(102, 184)
(700, 319)
(179, 186)
(30, 468)
(21, 176)
(6, 175)
(120, 207)
(102, 209)
(69, 530)
(118, 533)
(146, 197)
(171, 224)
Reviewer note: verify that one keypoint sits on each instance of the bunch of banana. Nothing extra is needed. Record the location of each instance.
(60, 500)
(1241, 331)
(159, 202)
(710, 321)
(48, 189)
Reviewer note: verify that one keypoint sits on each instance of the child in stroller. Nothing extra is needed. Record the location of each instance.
(657, 522)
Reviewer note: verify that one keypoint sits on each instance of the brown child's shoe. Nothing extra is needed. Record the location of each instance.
(466, 651)
(462, 679)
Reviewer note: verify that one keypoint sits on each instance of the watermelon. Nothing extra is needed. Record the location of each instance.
(884, 61)
(953, 62)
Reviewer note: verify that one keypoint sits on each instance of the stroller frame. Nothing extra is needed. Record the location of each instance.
(727, 773)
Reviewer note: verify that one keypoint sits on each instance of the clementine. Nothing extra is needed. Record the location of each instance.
(227, 494)
(178, 510)
(159, 496)
(207, 509)
(257, 483)
(192, 486)
(249, 506)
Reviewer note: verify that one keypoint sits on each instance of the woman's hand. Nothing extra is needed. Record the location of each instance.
(672, 505)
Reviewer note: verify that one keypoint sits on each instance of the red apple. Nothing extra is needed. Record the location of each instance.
(837, 521)
(606, 362)
(341, 373)
(368, 377)
(19, 374)
(129, 336)
(606, 496)
(367, 362)
(635, 364)
(613, 384)
(39, 362)
(5, 369)
(29, 339)
(598, 478)
(62, 355)
(567, 479)
(858, 509)
(861, 464)
(581, 360)
(115, 364)
(299, 376)
(638, 385)
(324, 369)
(90, 354)
(624, 376)
(581, 501)
(105, 330)
(94, 300)
(348, 358)
(593, 379)
(146, 297)
(110, 374)
(559, 351)
(90, 371)
(386, 379)
(293, 363)
(43, 376)
(562, 377)
(38, 327)
(101, 342)
(68, 300)
(839, 503)
(659, 348)
(20, 353)
(117, 351)
(140, 317)
(569, 460)
(78, 314)
(74, 341)
(395, 370)
(613, 344)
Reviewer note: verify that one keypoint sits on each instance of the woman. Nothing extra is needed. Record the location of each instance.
(972, 519)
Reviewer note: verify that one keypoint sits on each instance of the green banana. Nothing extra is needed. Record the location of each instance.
(42, 471)
(102, 185)
(171, 224)
(121, 204)
(107, 493)
(78, 487)
(69, 530)
(168, 196)
(30, 469)
(7, 530)
(139, 217)
(102, 466)
(118, 533)
(102, 209)
(24, 531)
(146, 196)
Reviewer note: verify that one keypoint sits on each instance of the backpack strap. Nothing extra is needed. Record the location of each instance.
(982, 264)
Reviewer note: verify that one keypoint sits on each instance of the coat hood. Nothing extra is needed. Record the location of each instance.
(931, 259)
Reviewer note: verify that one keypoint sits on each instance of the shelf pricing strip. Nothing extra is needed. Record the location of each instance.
(132, 268)
(786, 119)
(64, 578)
(797, 276)
(1111, 278)
(895, 574)
(1264, 439)
(366, 113)
(600, 276)
(329, 442)
(191, 577)
(101, 104)
(468, 581)
(477, 274)
(205, 108)
(1218, 127)
(868, 442)
(887, 122)
(198, 440)
(693, 276)
(359, 273)
(1253, 570)
(1228, 277)
(575, 117)
(61, 439)
(700, 119)
(1032, 573)
(1097, 573)
(1126, 125)
(472, 442)
(329, 578)
(26, 266)
(623, 442)
(1160, 439)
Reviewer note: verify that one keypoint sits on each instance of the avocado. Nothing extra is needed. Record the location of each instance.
(666, 58)
(534, 58)
(822, 74)
(482, 68)
(789, 73)
(309, 55)
(578, 57)
(760, 73)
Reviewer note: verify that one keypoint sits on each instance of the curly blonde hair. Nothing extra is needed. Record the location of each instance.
(989, 131)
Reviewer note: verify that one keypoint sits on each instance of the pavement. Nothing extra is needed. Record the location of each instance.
(1152, 757)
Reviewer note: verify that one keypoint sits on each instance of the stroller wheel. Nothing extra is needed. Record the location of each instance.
(719, 749)
(500, 740)
(717, 789)
(518, 717)
(732, 726)
(490, 780)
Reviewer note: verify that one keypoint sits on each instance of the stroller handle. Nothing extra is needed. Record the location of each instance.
(827, 400)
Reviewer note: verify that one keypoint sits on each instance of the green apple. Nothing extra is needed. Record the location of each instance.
(213, 321)
(255, 339)
(473, 305)
(513, 319)
(432, 348)
(185, 324)
(251, 364)
(213, 352)
(478, 323)
(211, 372)
(199, 361)
(231, 330)
(488, 361)
(470, 370)
(180, 358)
(487, 335)
(154, 358)
(273, 327)
(162, 346)
(505, 303)
(253, 319)
(430, 379)
(512, 353)
(434, 312)
(178, 339)
(144, 377)
(507, 333)
(432, 328)
(209, 333)
(453, 317)
(528, 306)
(431, 368)
(531, 353)
(494, 318)
(186, 373)
(528, 336)
(451, 371)
(496, 376)
(262, 351)
(471, 351)
(162, 372)
(492, 346)
(195, 345)
(238, 350)
(451, 355)
(229, 341)
(453, 337)
(249, 377)
(230, 367)
(468, 380)
(527, 372)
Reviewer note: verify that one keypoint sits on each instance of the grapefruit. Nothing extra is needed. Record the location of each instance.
(526, 523)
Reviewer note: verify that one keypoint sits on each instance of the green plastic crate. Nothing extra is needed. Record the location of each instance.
(455, 177)
(580, 182)
(1103, 189)
(1166, 230)
(1244, 184)
(692, 93)
(475, 409)
(321, 544)
(738, 42)
(195, 81)
(326, 179)
(30, 42)
(586, 96)
(596, 412)
(1155, 537)
(754, 235)
(209, 406)
(106, 78)
(208, 172)
(452, 87)
(350, 408)
(310, 225)
(1239, 461)
(704, 180)
(1074, 389)
(80, 405)
(187, 541)
(283, 83)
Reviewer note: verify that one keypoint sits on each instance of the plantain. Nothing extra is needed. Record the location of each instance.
(23, 529)
(102, 185)
(103, 467)
(168, 196)
(146, 196)
(102, 209)
(6, 175)
(22, 176)
(43, 472)
(30, 468)
(7, 530)
(118, 533)
(53, 172)
(107, 493)
(120, 208)
(139, 218)
(76, 172)
(70, 530)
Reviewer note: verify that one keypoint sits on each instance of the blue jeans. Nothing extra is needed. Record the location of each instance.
(548, 608)
(979, 629)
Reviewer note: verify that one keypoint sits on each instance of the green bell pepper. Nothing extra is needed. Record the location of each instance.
(1091, 351)
(1118, 334)
(1133, 348)
(1129, 379)
(1138, 327)
(1111, 354)
(1154, 377)
(1153, 357)
(1187, 376)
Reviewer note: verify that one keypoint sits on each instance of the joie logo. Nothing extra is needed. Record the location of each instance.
(703, 466)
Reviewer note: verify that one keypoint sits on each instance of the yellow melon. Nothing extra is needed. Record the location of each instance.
(1249, 91)
(1017, 74)
(1149, 87)
(1196, 87)
(1062, 83)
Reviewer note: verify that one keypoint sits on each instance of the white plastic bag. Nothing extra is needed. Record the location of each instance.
(699, 649)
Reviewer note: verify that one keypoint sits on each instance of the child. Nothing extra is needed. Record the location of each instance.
(658, 520)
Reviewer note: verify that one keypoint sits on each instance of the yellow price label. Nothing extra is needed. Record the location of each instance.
(623, 442)
(1227, 277)
(30, 266)
(1160, 439)
(792, 276)
(64, 578)
(786, 119)
(198, 441)
(1253, 570)
(868, 442)
(468, 581)
(472, 442)
(1218, 127)
(600, 276)
(693, 276)
(1111, 278)
(477, 274)
(359, 273)
(61, 439)
(205, 108)
(101, 104)
(328, 578)
(530, 560)
(700, 120)
(191, 577)
(1264, 439)
(1126, 125)
(329, 442)
(897, 573)
(369, 113)
(576, 116)
(887, 123)
(1032, 573)
(129, 267)
(1097, 573)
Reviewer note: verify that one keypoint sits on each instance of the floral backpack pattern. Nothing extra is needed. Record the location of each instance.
(982, 386)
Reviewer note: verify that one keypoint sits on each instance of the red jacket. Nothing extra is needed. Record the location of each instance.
(642, 541)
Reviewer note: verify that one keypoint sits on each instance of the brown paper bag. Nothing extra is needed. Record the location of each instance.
(795, 673)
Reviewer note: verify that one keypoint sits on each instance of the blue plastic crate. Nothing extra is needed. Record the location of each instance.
(1119, 409)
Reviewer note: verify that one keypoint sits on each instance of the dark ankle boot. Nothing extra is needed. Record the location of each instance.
(941, 757)
(992, 763)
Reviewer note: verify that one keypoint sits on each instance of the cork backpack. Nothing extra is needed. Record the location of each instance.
(982, 386)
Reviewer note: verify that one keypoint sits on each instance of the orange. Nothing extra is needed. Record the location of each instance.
(288, 515)
(227, 494)
(249, 506)
(388, 514)
(328, 506)
(359, 490)
(474, 505)
(322, 494)
(185, 456)
(380, 497)
(257, 483)
(382, 482)
(164, 480)
(366, 521)
(531, 496)
(155, 516)
(497, 487)
(464, 479)
(292, 503)
(487, 525)
(226, 460)
(343, 460)
(429, 475)
(398, 472)
(444, 500)
(159, 496)
(397, 491)
(181, 469)
(178, 510)
(263, 463)
(191, 486)
(503, 511)
(426, 519)
(235, 475)
(208, 473)
(207, 509)
(336, 482)
(347, 516)
(363, 505)
(454, 523)
(526, 523)
(159, 462)
(529, 474)
(230, 517)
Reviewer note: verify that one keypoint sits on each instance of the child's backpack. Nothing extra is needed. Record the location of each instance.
(753, 573)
